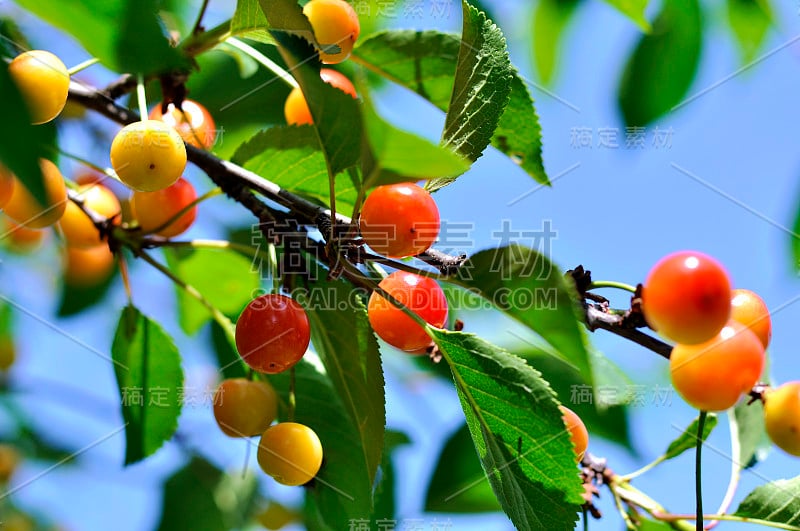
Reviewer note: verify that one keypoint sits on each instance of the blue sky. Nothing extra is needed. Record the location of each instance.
(727, 185)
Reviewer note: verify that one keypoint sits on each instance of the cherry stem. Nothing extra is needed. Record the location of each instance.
(611, 284)
(108, 172)
(221, 319)
(83, 66)
(141, 97)
(272, 252)
(126, 279)
(698, 470)
(263, 60)
(292, 396)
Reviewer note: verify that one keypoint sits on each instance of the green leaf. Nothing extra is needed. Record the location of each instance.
(609, 421)
(226, 279)
(189, 498)
(518, 431)
(550, 18)
(481, 89)
(337, 117)
(747, 425)
(422, 61)
(233, 100)
(426, 62)
(384, 507)
(126, 36)
(526, 285)
(149, 375)
(291, 158)
(75, 299)
(21, 144)
(518, 134)
(228, 360)
(342, 490)
(688, 439)
(750, 21)
(663, 65)
(249, 21)
(653, 525)
(343, 339)
(286, 16)
(457, 470)
(633, 9)
(400, 156)
(777, 502)
(201, 497)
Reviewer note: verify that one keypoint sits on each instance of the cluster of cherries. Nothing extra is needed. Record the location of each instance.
(148, 156)
(721, 335)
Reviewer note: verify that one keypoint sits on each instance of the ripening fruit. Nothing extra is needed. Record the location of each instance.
(192, 121)
(89, 266)
(148, 155)
(420, 294)
(43, 81)
(9, 460)
(336, 27)
(782, 416)
(244, 408)
(711, 376)
(272, 333)
(296, 108)
(291, 453)
(154, 209)
(687, 297)
(23, 208)
(577, 431)
(750, 310)
(20, 239)
(78, 229)
(399, 220)
(6, 185)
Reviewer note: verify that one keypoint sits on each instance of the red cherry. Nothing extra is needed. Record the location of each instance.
(272, 333)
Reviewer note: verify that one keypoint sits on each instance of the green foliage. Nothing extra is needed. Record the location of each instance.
(398, 156)
(337, 120)
(747, 426)
(457, 484)
(518, 431)
(343, 488)
(291, 157)
(201, 497)
(21, 144)
(385, 492)
(663, 65)
(75, 299)
(688, 439)
(750, 22)
(634, 10)
(550, 19)
(127, 36)
(422, 61)
(481, 89)
(602, 417)
(226, 279)
(148, 370)
(344, 341)
(249, 21)
(778, 501)
(527, 286)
